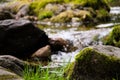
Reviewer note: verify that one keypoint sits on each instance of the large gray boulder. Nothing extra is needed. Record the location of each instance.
(95, 63)
(20, 38)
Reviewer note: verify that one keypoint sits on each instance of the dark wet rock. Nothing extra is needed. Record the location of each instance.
(6, 15)
(7, 75)
(95, 63)
(20, 38)
(58, 44)
(13, 64)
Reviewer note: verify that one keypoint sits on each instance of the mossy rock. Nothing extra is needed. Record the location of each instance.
(45, 14)
(97, 8)
(84, 15)
(102, 15)
(37, 5)
(96, 4)
(113, 38)
(95, 63)
(65, 16)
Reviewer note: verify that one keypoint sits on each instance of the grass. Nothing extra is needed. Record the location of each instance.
(39, 73)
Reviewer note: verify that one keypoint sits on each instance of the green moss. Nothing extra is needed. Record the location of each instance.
(102, 15)
(63, 17)
(45, 14)
(92, 65)
(113, 38)
(37, 5)
(3, 1)
(95, 4)
(69, 70)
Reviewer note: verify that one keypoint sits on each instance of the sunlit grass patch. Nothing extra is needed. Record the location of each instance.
(39, 73)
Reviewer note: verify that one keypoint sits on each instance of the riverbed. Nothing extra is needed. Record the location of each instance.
(80, 36)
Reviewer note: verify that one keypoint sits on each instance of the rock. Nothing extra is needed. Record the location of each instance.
(13, 64)
(65, 16)
(20, 38)
(113, 38)
(5, 15)
(96, 4)
(63, 11)
(98, 62)
(23, 11)
(31, 18)
(58, 44)
(102, 15)
(7, 75)
(42, 52)
(56, 8)
(84, 15)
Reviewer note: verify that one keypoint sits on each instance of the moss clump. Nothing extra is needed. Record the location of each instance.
(91, 64)
(63, 17)
(45, 14)
(113, 38)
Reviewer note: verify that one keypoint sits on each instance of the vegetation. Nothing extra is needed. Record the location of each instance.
(91, 65)
(114, 2)
(40, 73)
(103, 15)
(113, 38)
(45, 14)
(37, 5)
(2, 1)
(65, 16)
(37, 8)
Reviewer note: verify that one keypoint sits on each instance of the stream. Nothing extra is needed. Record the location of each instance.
(80, 36)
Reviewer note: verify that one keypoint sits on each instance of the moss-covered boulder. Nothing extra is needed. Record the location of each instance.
(95, 63)
(113, 38)
(65, 16)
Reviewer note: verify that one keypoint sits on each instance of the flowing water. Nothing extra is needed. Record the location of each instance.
(80, 36)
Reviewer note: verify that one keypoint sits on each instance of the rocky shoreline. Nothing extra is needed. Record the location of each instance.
(22, 42)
